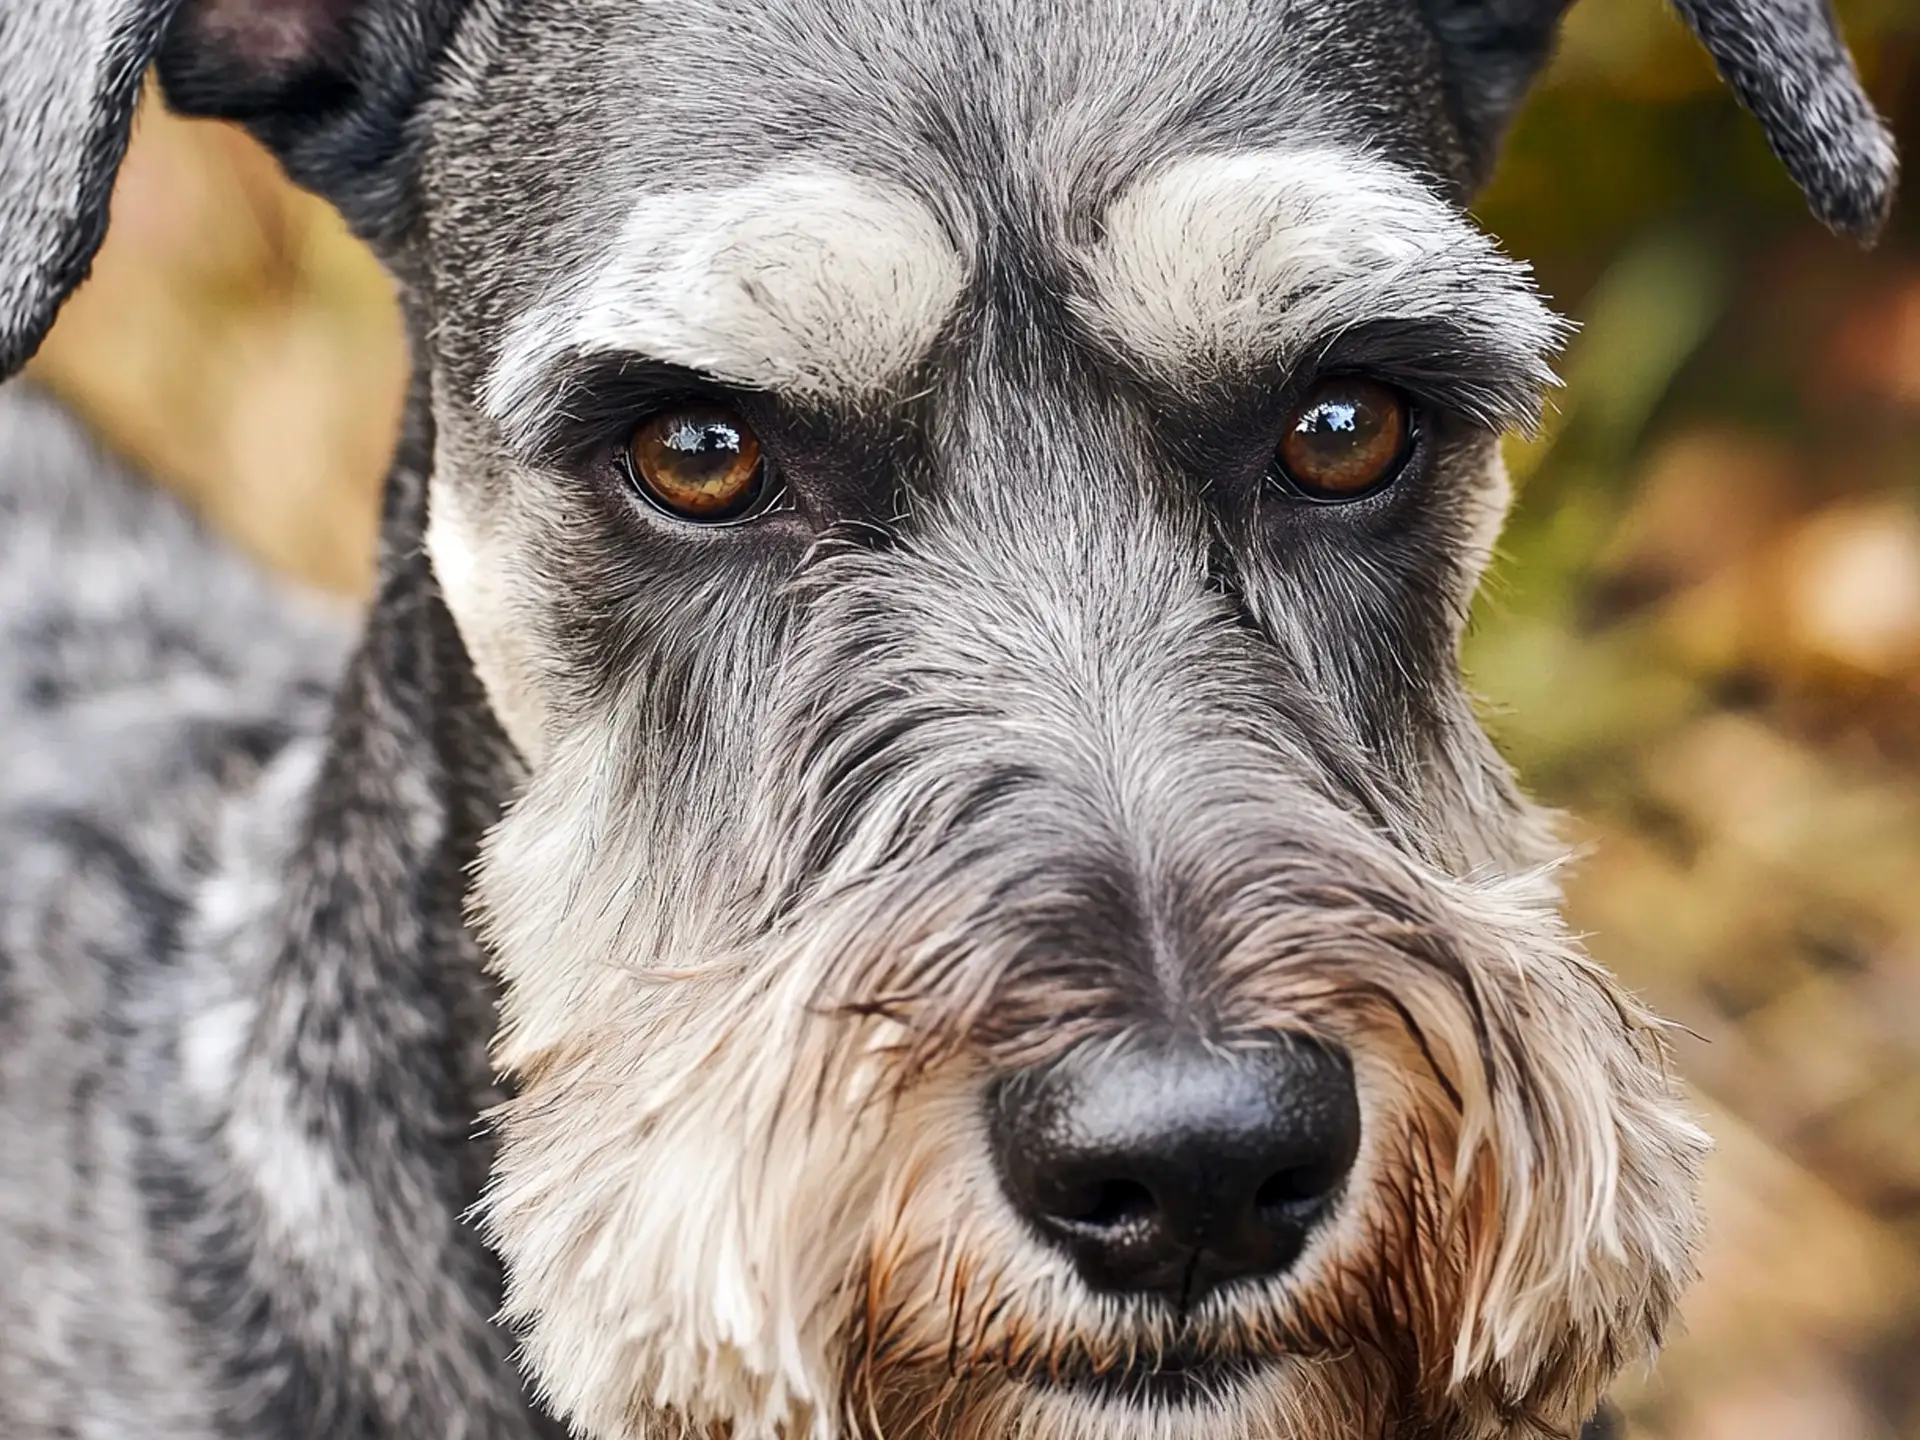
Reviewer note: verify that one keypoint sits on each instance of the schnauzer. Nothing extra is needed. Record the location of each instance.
(902, 853)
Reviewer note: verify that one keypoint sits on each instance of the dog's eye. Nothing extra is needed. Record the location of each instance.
(699, 462)
(1348, 438)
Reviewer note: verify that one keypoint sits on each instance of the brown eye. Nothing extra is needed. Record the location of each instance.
(1348, 438)
(699, 462)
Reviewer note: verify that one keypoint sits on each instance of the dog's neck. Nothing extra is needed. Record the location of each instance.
(415, 769)
(352, 1136)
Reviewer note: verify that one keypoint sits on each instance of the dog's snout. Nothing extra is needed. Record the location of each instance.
(1175, 1170)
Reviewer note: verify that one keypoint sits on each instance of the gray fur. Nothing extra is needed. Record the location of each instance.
(139, 715)
(73, 76)
(1787, 63)
(162, 738)
(1040, 716)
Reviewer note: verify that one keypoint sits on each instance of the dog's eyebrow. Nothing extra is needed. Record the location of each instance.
(1237, 264)
(815, 284)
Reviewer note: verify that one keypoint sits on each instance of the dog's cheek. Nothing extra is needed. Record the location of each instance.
(1590, 1219)
(676, 1240)
(687, 1169)
(479, 577)
(1473, 816)
(1484, 510)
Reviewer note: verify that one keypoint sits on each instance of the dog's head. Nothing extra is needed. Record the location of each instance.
(966, 510)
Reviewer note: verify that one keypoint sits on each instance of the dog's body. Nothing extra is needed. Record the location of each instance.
(1034, 778)
(175, 1266)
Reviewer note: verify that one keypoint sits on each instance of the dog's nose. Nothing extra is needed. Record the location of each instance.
(1171, 1171)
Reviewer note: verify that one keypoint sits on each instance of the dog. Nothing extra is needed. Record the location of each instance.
(901, 852)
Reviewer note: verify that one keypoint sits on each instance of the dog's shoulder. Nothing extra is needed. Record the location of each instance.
(150, 680)
(148, 676)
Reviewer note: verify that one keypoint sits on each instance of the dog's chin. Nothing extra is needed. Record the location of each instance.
(1174, 1382)
(1180, 1397)
(1185, 1395)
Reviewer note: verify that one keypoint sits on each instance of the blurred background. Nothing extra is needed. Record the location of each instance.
(1704, 640)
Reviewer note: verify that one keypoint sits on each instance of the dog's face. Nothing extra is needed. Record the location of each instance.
(968, 521)
(1010, 926)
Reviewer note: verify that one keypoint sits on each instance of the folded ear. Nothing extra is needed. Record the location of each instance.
(1784, 59)
(1490, 52)
(1787, 63)
(328, 85)
(73, 71)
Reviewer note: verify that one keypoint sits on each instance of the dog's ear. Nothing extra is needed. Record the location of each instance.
(330, 86)
(1784, 59)
(1490, 51)
(72, 73)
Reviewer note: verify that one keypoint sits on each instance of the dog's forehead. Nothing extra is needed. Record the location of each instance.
(1000, 117)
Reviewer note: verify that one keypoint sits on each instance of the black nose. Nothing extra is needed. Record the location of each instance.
(1171, 1171)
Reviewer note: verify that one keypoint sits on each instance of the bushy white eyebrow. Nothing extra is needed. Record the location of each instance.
(1244, 262)
(814, 283)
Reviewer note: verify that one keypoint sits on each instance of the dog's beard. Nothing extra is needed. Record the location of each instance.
(744, 1188)
(1277, 1398)
(1436, 1301)
(961, 1326)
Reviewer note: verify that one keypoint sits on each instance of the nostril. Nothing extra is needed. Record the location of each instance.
(1110, 1205)
(1295, 1192)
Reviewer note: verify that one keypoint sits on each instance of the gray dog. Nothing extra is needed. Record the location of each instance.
(902, 853)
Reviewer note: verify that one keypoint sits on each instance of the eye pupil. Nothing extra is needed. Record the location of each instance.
(1346, 439)
(698, 462)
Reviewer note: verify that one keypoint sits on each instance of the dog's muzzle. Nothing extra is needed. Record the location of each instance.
(1171, 1171)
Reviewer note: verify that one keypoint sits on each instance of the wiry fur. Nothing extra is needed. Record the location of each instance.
(1037, 718)
(1787, 63)
(837, 1019)
(1234, 264)
(809, 284)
